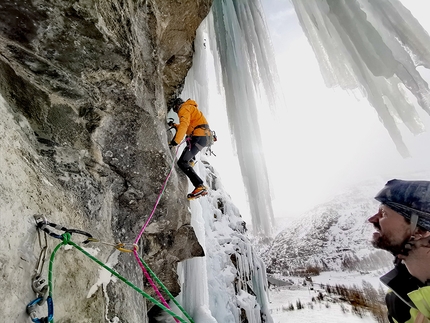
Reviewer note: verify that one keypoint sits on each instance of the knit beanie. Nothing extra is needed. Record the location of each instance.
(177, 103)
(408, 198)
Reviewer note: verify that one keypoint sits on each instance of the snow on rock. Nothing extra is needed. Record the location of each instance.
(230, 281)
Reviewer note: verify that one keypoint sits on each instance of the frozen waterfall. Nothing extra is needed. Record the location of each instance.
(375, 47)
(234, 45)
(247, 66)
(231, 76)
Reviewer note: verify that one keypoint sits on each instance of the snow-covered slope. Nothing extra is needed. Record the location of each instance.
(334, 235)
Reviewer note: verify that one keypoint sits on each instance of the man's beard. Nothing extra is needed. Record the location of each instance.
(383, 242)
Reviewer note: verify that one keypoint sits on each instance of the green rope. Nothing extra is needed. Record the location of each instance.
(165, 289)
(66, 240)
(50, 271)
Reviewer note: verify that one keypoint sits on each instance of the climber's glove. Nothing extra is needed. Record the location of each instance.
(172, 144)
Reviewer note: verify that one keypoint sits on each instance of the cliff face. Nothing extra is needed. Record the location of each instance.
(83, 142)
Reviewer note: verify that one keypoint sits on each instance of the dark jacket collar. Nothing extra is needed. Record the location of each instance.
(401, 282)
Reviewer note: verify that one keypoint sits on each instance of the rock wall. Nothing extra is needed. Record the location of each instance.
(83, 142)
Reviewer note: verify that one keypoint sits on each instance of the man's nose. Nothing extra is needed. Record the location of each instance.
(374, 218)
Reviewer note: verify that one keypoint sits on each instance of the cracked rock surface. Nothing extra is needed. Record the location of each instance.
(83, 142)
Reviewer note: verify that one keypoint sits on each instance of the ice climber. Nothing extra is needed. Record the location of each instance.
(402, 226)
(192, 123)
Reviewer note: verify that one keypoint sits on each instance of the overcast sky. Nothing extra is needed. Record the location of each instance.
(330, 139)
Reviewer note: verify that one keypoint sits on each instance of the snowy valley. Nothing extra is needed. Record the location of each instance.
(331, 236)
(320, 264)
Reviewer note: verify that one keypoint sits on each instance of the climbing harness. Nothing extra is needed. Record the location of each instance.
(211, 138)
(210, 135)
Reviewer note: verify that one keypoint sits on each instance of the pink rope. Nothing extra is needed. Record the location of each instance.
(158, 199)
(136, 255)
(188, 140)
(151, 282)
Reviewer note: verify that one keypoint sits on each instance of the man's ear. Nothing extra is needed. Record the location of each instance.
(426, 234)
(421, 233)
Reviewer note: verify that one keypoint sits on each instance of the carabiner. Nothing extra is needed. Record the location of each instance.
(121, 247)
(89, 239)
(31, 310)
(40, 287)
(44, 226)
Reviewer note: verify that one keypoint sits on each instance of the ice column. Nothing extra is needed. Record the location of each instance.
(374, 46)
(248, 76)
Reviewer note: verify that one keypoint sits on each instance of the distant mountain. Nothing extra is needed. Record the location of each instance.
(332, 236)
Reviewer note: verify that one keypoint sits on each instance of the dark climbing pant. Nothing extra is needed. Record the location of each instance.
(194, 146)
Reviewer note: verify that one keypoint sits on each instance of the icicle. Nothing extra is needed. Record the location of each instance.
(373, 46)
(247, 67)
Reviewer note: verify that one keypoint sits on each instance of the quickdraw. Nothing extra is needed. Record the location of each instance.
(119, 246)
(38, 284)
(43, 225)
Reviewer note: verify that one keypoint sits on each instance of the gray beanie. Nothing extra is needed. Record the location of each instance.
(408, 198)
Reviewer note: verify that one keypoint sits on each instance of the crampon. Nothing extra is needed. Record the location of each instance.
(199, 191)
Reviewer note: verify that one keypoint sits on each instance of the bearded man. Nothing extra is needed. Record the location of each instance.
(402, 226)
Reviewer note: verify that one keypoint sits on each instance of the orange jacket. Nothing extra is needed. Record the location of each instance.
(189, 118)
